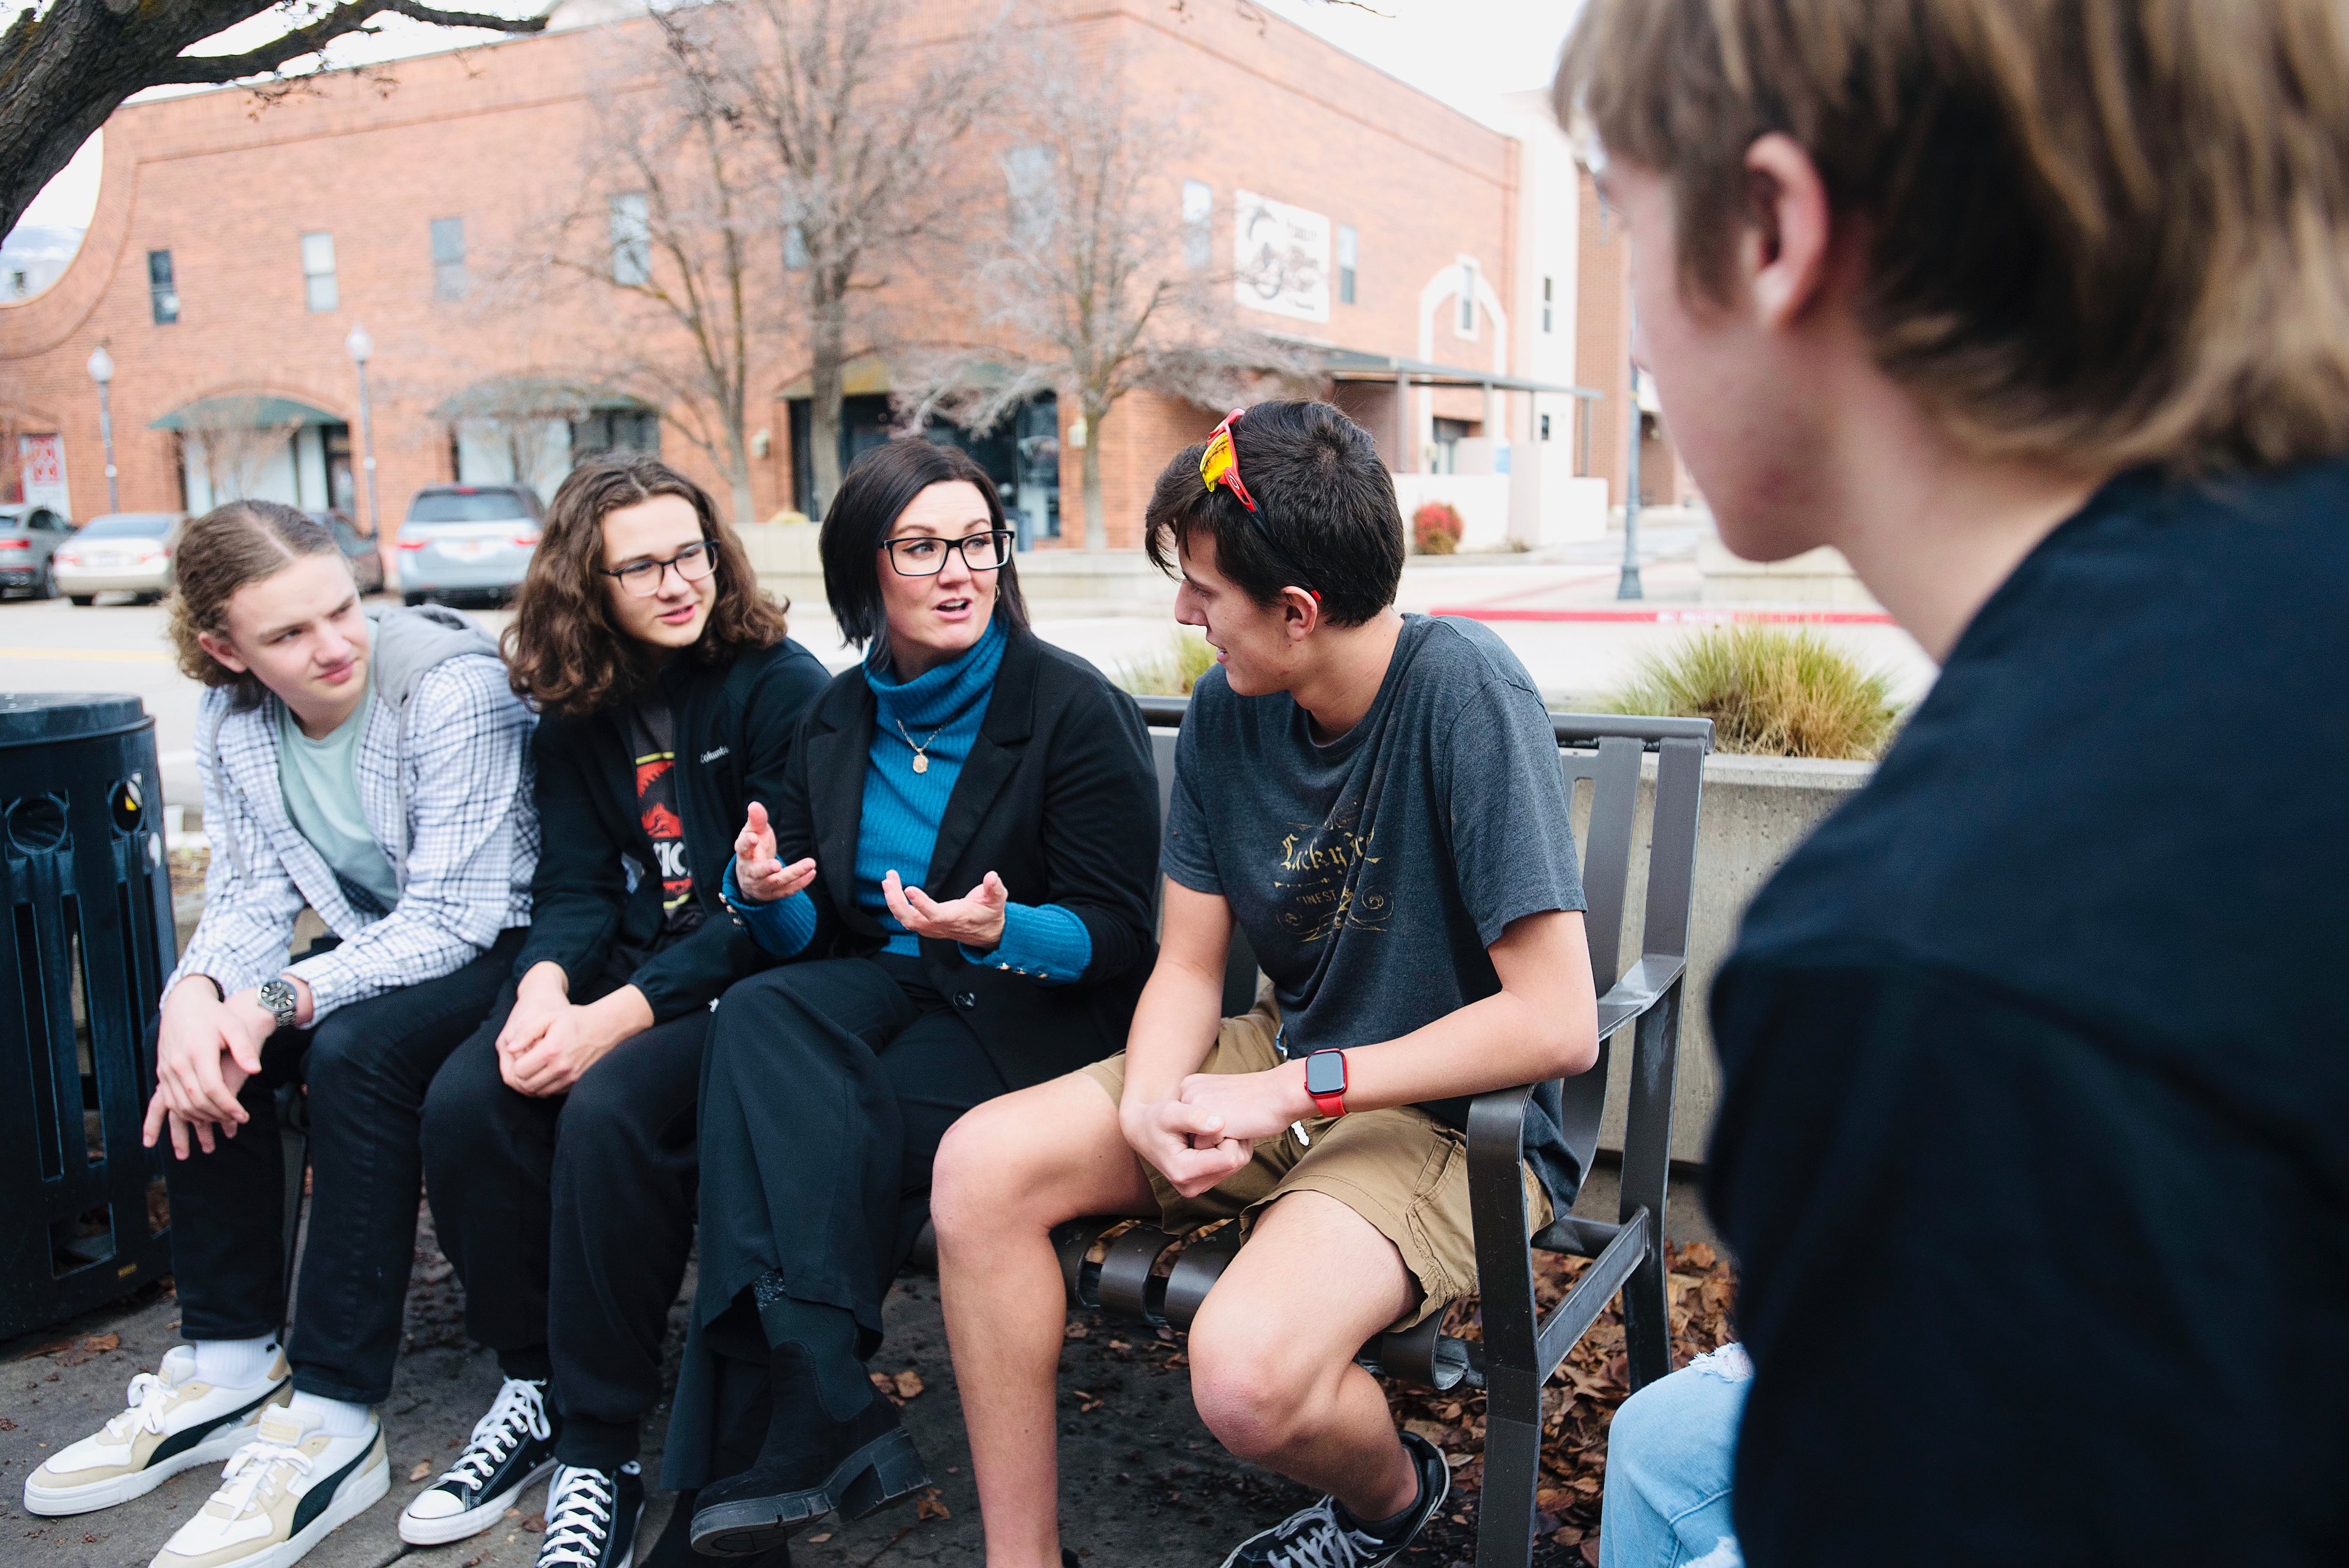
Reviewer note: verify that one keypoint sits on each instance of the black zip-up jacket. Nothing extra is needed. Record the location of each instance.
(1059, 797)
(734, 725)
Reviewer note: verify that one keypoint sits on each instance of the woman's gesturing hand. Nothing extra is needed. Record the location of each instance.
(761, 878)
(974, 920)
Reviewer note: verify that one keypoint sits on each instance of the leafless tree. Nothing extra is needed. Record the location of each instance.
(861, 116)
(661, 253)
(237, 445)
(65, 65)
(1085, 287)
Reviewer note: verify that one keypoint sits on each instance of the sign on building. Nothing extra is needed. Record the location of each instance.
(41, 460)
(1280, 258)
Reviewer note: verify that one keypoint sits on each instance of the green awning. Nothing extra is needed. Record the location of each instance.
(243, 413)
(534, 398)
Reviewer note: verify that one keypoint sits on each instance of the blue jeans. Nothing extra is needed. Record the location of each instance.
(1670, 1454)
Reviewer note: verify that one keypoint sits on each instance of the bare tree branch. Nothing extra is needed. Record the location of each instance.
(67, 65)
(1083, 280)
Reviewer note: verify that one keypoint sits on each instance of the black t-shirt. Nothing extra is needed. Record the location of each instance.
(2033, 1143)
(651, 730)
(1372, 874)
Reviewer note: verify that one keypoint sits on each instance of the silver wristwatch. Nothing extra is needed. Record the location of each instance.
(281, 1000)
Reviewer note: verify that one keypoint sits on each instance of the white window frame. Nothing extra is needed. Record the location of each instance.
(632, 239)
(320, 292)
(1464, 321)
(1198, 224)
(1350, 252)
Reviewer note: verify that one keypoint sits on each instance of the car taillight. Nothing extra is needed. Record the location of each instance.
(412, 545)
(66, 557)
(525, 538)
(27, 544)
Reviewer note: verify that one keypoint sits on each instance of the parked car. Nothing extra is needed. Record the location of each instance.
(467, 541)
(29, 536)
(121, 552)
(358, 548)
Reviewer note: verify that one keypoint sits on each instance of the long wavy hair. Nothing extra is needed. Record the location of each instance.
(220, 552)
(564, 652)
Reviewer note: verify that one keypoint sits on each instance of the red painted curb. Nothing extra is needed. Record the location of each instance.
(1721, 616)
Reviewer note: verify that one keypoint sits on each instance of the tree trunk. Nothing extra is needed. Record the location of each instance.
(828, 346)
(1096, 520)
(737, 475)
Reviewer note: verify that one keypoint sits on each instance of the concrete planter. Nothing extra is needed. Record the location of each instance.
(1757, 811)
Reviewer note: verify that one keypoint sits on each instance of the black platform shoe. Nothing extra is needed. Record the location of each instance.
(810, 1466)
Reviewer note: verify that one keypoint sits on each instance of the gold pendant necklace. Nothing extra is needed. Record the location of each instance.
(921, 752)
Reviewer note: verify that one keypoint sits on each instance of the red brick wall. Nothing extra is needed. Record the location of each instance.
(495, 135)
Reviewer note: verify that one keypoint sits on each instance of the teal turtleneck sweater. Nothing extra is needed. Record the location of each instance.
(936, 714)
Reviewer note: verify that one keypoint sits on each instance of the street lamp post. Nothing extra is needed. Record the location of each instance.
(1627, 587)
(362, 348)
(102, 370)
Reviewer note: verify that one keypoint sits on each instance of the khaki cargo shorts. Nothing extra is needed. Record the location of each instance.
(1400, 1168)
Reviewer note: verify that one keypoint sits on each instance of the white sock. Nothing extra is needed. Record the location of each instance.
(234, 1363)
(336, 1417)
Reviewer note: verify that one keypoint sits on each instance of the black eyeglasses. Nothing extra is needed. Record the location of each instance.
(927, 557)
(642, 579)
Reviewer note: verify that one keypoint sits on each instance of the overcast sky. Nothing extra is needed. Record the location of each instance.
(1465, 52)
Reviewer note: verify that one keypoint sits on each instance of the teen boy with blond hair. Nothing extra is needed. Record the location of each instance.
(2029, 1146)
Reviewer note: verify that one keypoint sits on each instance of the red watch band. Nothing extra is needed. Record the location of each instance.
(1330, 1102)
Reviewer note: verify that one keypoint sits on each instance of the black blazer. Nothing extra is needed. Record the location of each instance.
(735, 726)
(1059, 798)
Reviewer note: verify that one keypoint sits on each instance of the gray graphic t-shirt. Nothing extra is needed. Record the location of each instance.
(1372, 874)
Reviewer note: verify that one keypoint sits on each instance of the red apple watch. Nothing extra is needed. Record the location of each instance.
(1325, 1080)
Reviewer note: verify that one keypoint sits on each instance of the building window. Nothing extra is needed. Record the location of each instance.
(1547, 298)
(1545, 427)
(1466, 325)
(632, 241)
(1348, 246)
(1198, 220)
(794, 248)
(449, 279)
(318, 271)
(1028, 194)
(162, 293)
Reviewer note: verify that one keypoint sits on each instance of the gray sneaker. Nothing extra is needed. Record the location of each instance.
(1326, 1536)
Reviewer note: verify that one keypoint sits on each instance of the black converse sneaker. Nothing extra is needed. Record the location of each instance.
(512, 1446)
(1327, 1536)
(591, 1518)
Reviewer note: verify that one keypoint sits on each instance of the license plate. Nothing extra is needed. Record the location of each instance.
(107, 558)
(469, 549)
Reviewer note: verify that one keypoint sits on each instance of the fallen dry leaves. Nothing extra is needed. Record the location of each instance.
(1581, 1397)
(899, 1386)
(929, 1506)
(420, 1469)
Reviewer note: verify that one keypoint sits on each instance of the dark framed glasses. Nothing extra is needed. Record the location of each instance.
(642, 579)
(927, 557)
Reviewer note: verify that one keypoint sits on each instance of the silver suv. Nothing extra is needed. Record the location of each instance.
(467, 540)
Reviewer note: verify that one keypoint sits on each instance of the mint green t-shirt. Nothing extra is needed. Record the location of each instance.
(321, 784)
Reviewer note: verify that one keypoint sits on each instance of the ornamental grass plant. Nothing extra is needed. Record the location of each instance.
(1186, 657)
(1770, 692)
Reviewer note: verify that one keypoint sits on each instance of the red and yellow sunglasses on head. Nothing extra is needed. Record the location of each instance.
(1220, 463)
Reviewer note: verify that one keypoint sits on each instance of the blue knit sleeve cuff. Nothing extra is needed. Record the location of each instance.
(1045, 942)
(784, 928)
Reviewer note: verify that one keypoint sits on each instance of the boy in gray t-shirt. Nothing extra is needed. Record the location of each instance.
(1376, 800)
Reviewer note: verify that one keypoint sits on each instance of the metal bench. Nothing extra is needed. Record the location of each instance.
(1519, 1349)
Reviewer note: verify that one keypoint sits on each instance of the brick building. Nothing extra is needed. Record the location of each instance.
(236, 247)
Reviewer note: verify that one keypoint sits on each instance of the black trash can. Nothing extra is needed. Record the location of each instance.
(87, 906)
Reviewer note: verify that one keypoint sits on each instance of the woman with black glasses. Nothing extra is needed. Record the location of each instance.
(559, 1140)
(959, 864)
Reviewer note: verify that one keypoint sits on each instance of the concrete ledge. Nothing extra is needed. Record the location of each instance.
(1819, 576)
(1757, 811)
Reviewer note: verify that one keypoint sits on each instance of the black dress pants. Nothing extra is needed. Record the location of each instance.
(827, 1089)
(367, 1066)
(569, 1218)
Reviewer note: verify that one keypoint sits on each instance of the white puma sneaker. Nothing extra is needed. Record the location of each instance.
(174, 1422)
(281, 1494)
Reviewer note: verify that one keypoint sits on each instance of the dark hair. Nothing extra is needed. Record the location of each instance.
(563, 652)
(878, 488)
(220, 552)
(1325, 508)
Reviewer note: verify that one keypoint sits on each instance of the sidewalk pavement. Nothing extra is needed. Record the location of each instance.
(1144, 1485)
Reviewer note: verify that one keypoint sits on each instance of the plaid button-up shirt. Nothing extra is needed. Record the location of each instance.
(463, 853)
